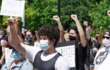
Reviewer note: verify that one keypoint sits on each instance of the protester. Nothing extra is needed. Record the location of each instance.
(102, 53)
(30, 37)
(101, 60)
(49, 37)
(97, 45)
(77, 33)
(20, 63)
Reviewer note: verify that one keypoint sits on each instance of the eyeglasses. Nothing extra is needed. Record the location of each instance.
(106, 37)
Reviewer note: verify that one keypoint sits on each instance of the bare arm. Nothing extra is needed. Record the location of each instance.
(101, 35)
(56, 18)
(37, 36)
(3, 51)
(15, 42)
(96, 50)
(18, 29)
(80, 30)
(87, 30)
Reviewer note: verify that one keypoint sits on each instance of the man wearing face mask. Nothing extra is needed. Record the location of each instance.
(103, 53)
(46, 57)
(77, 33)
(20, 63)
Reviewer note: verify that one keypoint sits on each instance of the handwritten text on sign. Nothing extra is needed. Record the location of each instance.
(12, 8)
(8, 57)
(68, 52)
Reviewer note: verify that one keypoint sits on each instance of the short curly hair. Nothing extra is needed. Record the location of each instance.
(50, 32)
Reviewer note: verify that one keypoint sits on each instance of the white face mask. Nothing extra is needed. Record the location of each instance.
(106, 42)
(44, 44)
(0, 36)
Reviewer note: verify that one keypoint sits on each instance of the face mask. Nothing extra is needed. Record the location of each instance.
(44, 44)
(0, 36)
(29, 39)
(72, 38)
(106, 42)
(15, 54)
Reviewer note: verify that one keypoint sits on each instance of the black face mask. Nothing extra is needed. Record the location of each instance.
(96, 38)
(72, 38)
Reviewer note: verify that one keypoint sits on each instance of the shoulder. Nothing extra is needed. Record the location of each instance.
(102, 49)
(6, 65)
(27, 65)
(62, 64)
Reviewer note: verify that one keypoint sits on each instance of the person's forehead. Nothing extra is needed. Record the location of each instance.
(43, 36)
(72, 31)
(106, 34)
(28, 33)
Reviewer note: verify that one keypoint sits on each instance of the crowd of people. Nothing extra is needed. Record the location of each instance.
(91, 52)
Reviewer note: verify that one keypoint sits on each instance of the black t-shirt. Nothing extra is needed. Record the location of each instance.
(89, 45)
(0, 49)
(97, 45)
(81, 53)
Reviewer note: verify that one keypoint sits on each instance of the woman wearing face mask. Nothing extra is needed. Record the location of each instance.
(77, 33)
(30, 37)
(20, 63)
(102, 54)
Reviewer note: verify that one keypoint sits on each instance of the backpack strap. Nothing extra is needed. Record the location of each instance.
(22, 64)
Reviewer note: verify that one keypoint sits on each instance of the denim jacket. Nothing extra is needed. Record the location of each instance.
(26, 66)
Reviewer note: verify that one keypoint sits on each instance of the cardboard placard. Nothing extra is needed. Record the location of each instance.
(67, 49)
(12, 8)
(8, 57)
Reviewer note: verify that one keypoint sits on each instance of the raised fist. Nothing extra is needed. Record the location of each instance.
(85, 23)
(108, 13)
(101, 27)
(74, 17)
(17, 18)
(11, 21)
(56, 18)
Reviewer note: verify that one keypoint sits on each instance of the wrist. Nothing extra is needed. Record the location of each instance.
(76, 20)
(58, 21)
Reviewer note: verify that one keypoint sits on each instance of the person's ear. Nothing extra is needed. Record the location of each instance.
(53, 41)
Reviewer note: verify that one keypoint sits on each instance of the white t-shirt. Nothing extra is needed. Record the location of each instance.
(100, 58)
(61, 63)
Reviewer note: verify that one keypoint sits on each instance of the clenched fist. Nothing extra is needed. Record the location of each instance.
(108, 13)
(11, 21)
(74, 17)
(101, 27)
(85, 23)
(56, 18)
(17, 18)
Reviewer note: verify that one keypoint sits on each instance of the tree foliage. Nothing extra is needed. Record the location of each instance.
(99, 16)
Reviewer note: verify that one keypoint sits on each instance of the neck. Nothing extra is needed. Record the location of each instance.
(18, 60)
(77, 41)
(50, 50)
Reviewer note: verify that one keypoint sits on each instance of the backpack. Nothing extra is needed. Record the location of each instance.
(92, 56)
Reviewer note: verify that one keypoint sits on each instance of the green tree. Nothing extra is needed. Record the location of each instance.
(79, 7)
(39, 13)
(99, 16)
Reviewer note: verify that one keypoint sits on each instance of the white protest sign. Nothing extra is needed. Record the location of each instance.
(12, 8)
(68, 52)
(8, 57)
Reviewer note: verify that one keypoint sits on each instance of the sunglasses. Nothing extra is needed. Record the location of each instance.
(106, 37)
